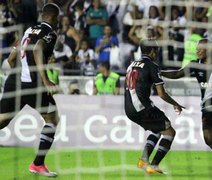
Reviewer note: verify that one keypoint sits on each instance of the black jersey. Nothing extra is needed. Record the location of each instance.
(140, 77)
(45, 32)
(204, 78)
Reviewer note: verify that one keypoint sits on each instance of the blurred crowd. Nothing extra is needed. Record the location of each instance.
(92, 32)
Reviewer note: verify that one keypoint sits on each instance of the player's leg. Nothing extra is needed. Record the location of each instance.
(164, 145)
(207, 127)
(153, 120)
(208, 136)
(7, 105)
(151, 142)
(160, 125)
(163, 148)
(5, 119)
(46, 138)
(49, 114)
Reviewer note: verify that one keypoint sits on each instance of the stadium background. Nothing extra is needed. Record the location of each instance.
(75, 154)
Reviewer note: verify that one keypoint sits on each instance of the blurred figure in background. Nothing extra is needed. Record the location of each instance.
(190, 44)
(106, 82)
(73, 87)
(104, 45)
(69, 34)
(96, 19)
(199, 68)
(86, 59)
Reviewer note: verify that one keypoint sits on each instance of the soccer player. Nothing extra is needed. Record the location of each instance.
(140, 77)
(34, 78)
(198, 68)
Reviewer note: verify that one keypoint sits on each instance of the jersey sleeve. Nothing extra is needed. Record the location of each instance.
(155, 74)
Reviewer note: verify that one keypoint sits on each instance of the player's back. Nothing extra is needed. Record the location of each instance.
(31, 36)
(139, 79)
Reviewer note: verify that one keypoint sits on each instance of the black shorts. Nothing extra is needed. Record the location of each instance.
(29, 95)
(152, 119)
(206, 119)
(8, 101)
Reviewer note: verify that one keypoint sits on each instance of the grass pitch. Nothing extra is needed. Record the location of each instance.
(104, 164)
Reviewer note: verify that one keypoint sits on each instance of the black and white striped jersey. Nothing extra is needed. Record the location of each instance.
(204, 78)
(140, 77)
(45, 32)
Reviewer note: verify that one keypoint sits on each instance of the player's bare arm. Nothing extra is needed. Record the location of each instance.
(163, 94)
(173, 74)
(12, 58)
(94, 88)
(117, 91)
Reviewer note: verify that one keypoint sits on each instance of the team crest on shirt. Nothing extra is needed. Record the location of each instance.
(200, 73)
(48, 38)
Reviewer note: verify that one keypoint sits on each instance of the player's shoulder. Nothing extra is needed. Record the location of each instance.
(47, 33)
(150, 64)
(149, 61)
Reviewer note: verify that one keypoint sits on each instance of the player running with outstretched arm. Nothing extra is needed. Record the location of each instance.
(201, 68)
(34, 79)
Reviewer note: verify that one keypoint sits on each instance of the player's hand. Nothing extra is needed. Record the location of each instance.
(178, 108)
(51, 87)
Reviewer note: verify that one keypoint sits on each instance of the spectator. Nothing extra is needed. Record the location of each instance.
(25, 12)
(64, 56)
(208, 33)
(73, 87)
(146, 5)
(80, 17)
(153, 15)
(69, 34)
(104, 45)
(113, 10)
(86, 59)
(177, 34)
(62, 52)
(199, 12)
(190, 46)
(6, 15)
(6, 19)
(137, 33)
(9, 40)
(96, 19)
(132, 18)
(106, 82)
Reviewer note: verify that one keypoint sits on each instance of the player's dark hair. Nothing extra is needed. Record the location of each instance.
(147, 45)
(50, 9)
(203, 40)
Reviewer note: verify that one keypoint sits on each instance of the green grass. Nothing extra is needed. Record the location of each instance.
(120, 165)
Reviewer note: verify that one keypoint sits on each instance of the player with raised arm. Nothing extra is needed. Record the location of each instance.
(201, 69)
(34, 78)
(140, 77)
